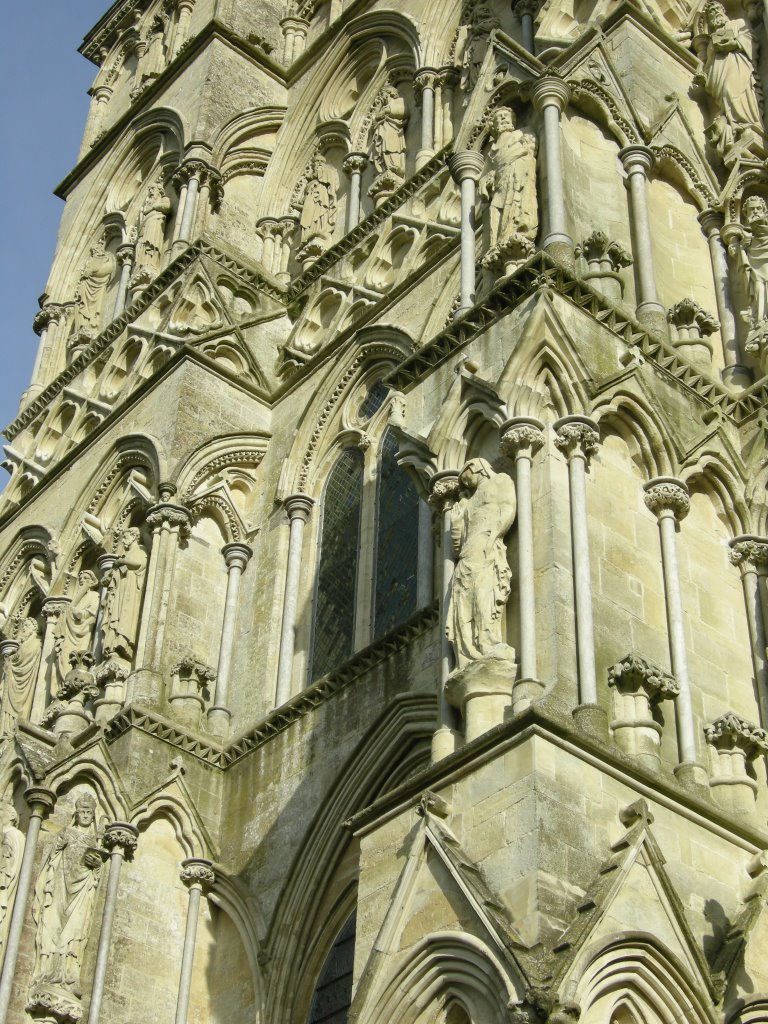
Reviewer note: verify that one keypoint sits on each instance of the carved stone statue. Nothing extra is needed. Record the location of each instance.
(75, 625)
(151, 235)
(152, 61)
(728, 74)
(11, 851)
(124, 589)
(319, 208)
(510, 187)
(62, 910)
(387, 137)
(21, 673)
(475, 44)
(89, 298)
(482, 578)
(754, 255)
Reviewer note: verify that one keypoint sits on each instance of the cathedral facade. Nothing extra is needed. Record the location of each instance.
(383, 561)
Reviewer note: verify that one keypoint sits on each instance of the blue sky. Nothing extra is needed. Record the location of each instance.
(43, 84)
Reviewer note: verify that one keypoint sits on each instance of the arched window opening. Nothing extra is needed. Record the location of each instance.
(339, 543)
(333, 993)
(397, 543)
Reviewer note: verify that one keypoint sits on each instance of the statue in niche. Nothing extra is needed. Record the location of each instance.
(510, 188)
(21, 673)
(124, 588)
(63, 906)
(91, 291)
(482, 578)
(151, 235)
(475, 44)
(729, 76)
(152, 61)
(754, 257)
(388, 134)
(74, 628)
(318, 207)
(11, 851)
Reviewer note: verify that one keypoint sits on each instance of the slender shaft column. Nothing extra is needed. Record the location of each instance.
(750, 554)
(298, 507)
(286, 227)
(466, 168)
(521, 438)
(637, 161)
(425, 81)
(734, 372)
(425, 569)
(449, 79)
(578, 438)
(266, 228)
(125, 257)
(44, 325)
(550, 96)
(120, 839)
(668, 499)
(198, 876)
(40, 802)
(294, 38)
(354, 165)
(525, 11)
(182, 25)
(52, 609)
(236, 557)
(182, 188)
(443, 492)
(193, 186)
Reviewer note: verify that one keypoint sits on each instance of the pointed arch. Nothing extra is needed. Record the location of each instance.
(647, 437)
(186, 823)
(714, 475)
(90, 771)
(29, 563)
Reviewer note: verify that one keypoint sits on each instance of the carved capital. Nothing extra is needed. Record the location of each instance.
(525, 7)
(237, 555)
(634, 673)
(299, 506)
(197, 872)
(53, 607)
(355, 163)
(576, 437)
(126, 253)
(120, 835)
(40, 799)
(171, 516)
(749, 552)
(711, 222)
(691, 320)
(731, 732)
(521, 437)
(665, 494)
(51, 313)
(266, 227)
(444, 489)
(466, 164)
(551, 91)
(603, 254)
(426, 78)
(636, 159)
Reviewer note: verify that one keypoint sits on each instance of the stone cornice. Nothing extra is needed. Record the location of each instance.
(542, 272)
(98, 37)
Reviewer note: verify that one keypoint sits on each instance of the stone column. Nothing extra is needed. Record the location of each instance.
(443, 492)
(425, 81)
(40, 802)
(169, 524)
(266, 229)
(286, 226)
(294, 38)
(637, 161)
(120, 839)
(578, 438)
(44, 324)
(550, 96)
(188, 179)
(198, 876)
(638, 686)
(182, 26)
(298, 507)
(466, 168)
(750, 554)
(125, 257)
(526, 11)
(236, 557)
(354, 165)
(521, 438)
(734, 372)
(181, 187)
(449, 79)
(668, 499)
(51, 610)
(734, 742)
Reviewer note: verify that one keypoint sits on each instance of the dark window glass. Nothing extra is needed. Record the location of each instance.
(335, 605)
(397, 543)
(333, 995)
(374, 400)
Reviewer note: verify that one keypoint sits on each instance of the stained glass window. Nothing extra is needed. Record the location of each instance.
(397, 543)
(333, 995)
(373, 400)
(335, 603)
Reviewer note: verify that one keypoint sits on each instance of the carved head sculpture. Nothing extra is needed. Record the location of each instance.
(130, 537)
(502, 120)
(87, 579)
(8, 815)
(716, 16)
(473, 473)
(26, 628)
(754, 209)
(98, 248)
(85, 809)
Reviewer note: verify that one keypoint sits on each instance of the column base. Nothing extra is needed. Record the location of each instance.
(653, 317)
(460, 313)
(445, 742)
(560, 247)
(178, 247)
(736, 376)
(145, 686)
(219, 721)
(735, 794)
(482, 690)
(526, 692)
(592, 720)
(105, 709)
(692, 776)
(423, 157)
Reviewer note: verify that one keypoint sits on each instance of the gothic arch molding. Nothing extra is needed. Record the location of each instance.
(636, 422)
(91, 772)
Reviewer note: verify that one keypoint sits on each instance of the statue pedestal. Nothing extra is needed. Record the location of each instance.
(445, 742)
(49, 1004)
(482, 690)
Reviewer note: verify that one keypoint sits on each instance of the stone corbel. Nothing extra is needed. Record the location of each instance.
(637, 687)
(605, 260)
(110, 678)
(691, 330)
(190, 690)
(734, 743)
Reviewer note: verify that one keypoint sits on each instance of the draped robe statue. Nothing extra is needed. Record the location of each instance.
(63, 906)
(11, 851)
(755, 261)
(151, 236)
(124, 589)
(91, 291)
(74, 629)
(21, 674)
(481, 578)
(510, 187)
(388, 137)
(729, 74)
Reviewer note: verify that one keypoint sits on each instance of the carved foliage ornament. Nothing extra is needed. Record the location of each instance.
(730, 730)
(666, 496)
(577, 438)
(634, 672)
